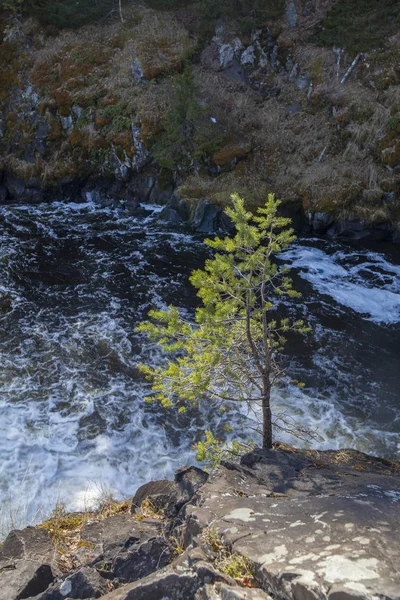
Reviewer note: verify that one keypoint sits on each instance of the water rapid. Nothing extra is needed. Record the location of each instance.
(75, 279)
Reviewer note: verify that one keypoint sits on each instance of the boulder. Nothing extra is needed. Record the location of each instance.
(140, 559)
(85, 583)
(23, 578)
(167, 584)
(206, 216)
(91, 426)
(189, 480)
(169, 496)
(125, 548)
(15, 186)
(291, 15)
(170, 215)
(26, 563)
(29, 544)
(161, 494)
(3, 194)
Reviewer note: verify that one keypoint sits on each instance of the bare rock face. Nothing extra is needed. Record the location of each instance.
(26, 564)
(170, 496)
(316, 527)
(126, 549)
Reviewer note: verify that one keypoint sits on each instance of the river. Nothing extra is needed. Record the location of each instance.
(75, 279)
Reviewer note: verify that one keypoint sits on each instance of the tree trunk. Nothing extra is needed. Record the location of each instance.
(267, 419)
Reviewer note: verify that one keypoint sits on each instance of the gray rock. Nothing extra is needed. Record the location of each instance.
(320, 222)
(3, 194)
(206, 215)
(30, 544)
(170, 215)
(23, 578)
(248, 56)
(85, 583)
(303, 81)
(15, 186)
(159, 493)
(26, 563)
(142, 155)
(163, 585)
(189, 480)
(137, 72)
(316, 525)
(125, 548)
(226, 56)
(67, 123)
(291, 15)
(140, 559)
(108, 536)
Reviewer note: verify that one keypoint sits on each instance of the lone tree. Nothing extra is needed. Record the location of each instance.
(230, 352)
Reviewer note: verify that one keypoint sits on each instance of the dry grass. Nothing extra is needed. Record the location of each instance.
(65, 528)
(162, 43)
(230, 563)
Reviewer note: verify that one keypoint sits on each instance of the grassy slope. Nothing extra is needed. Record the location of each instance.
(335, 153)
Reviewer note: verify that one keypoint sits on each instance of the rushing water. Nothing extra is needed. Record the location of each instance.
(76, 279)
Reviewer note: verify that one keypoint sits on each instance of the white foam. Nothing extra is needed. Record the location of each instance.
(349, 285)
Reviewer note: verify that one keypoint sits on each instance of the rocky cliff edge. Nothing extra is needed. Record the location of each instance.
(287, 524)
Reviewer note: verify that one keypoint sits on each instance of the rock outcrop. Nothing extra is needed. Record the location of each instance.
(283, 524)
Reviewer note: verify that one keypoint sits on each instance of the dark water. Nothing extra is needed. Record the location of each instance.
(75, 280)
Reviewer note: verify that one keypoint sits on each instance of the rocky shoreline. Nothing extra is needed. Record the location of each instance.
(283, 523)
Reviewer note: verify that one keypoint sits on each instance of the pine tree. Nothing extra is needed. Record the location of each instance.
(231, 350)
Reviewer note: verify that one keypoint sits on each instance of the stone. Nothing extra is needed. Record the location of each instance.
(320, 222)
(169, 496)
(162, 585)
(26, 563)
(189, 480)
(3, 194)
(137, 72)
(23, 578)
(125, 548)
(206, 215)
(291, 15)
(226, 56)
(84, 583)
(140, 559)
(158, 493)
(248, 56)
(170, 215)
(30, 543)
(67, 123)
(15, 186)
(222, 591)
